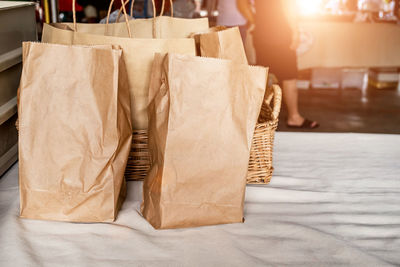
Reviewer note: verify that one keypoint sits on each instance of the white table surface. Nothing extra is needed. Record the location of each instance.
(334, 200)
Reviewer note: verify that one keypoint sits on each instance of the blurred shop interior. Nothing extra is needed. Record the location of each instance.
(348, 55)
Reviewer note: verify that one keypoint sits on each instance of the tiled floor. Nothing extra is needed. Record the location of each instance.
(349, 110)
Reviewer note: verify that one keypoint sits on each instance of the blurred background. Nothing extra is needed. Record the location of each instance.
(348, 56)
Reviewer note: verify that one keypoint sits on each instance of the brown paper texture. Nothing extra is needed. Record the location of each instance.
(74, 132)
(223, 43)
(138, 55)
(203, 112)
(165, 27)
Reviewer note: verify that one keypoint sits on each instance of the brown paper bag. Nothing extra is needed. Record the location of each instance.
(223, 43)
(138, 55)
(203, 112)
(74, 132)
(158, 27)
(166, 27)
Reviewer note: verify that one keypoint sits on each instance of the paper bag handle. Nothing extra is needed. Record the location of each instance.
(125, 15)
(163, 6)
(154, 12)
(123, 7)
(112, 1)
(153, 4)
(120, 10)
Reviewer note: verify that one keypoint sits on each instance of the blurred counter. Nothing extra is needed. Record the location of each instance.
(348, 44)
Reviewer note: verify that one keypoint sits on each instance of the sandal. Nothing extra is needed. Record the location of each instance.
(307, 124)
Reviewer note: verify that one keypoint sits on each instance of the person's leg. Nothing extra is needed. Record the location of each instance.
(290, 96)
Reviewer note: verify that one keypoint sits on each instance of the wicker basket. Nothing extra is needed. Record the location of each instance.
(139, 157)
(260, 162)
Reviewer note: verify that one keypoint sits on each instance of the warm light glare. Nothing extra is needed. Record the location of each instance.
(309, 7)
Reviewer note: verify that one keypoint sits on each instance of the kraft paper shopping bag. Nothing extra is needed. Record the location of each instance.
(74, 132)
(157, 27)
(221, 42)
(203, 112)
(138, 54)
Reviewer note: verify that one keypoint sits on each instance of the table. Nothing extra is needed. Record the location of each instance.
(333, 200)
(347, 44)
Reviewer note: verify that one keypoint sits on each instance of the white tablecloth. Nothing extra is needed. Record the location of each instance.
(334, 200)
